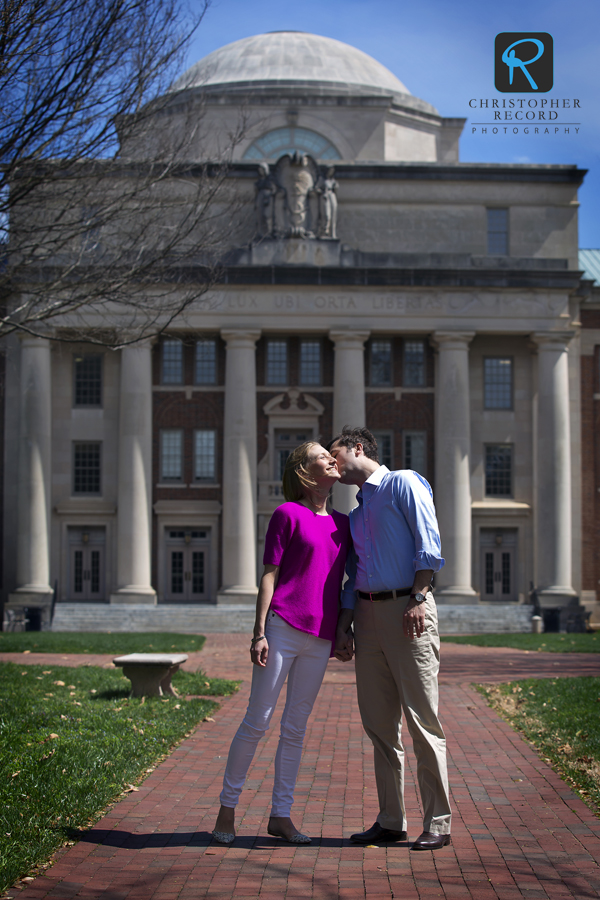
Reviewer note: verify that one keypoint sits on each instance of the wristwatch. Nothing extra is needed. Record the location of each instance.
(419, 597)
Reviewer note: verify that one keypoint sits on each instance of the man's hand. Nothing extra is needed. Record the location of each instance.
(413, 621)
(344, 645)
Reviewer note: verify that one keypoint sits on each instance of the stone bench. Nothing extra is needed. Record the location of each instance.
(150, 673)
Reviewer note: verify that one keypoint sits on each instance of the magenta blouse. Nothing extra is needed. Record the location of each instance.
(311, 552)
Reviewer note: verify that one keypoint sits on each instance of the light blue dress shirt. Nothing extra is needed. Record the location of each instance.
(395, 533)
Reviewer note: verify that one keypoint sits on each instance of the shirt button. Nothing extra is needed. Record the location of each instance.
(368, 557)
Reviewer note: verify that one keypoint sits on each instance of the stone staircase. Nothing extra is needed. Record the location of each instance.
(477, 619)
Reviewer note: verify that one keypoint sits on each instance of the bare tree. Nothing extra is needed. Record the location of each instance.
(102, 240)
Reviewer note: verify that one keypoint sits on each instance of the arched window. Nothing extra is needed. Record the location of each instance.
(286, 140)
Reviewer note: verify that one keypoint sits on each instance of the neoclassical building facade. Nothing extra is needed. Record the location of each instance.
(375, 280)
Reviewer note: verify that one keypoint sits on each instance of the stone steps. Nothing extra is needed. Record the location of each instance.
(476, 619)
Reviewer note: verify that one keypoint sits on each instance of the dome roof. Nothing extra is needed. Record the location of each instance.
(287, 57)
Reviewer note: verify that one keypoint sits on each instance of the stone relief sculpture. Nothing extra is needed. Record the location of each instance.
(264, 203)
(295, 199)
(326, 189)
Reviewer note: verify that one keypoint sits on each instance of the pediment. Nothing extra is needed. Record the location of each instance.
(293, 403)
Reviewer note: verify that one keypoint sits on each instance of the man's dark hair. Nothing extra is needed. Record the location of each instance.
(350, 437)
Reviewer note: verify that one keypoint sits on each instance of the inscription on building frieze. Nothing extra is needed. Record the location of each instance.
(456, 304)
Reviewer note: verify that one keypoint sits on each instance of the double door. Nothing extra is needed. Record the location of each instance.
(187, 565)
(498, 564)
(86, 564)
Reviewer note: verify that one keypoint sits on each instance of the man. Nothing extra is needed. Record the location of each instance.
(387, 595)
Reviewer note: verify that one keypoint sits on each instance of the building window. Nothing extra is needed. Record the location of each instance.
(415, 455)
(172, 362)
(498, 470)
(384, 447)
(171, 454)
(285, 442)
(206, 362)
(497, 232)
(414, 363)
(87, 374)
(205, 445)
(310, 362)
(275, 143)
(497, 382)
(381, 363)
(87, 460)
(277, 362)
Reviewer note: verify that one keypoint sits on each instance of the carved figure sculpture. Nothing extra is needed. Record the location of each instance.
(297, 175)
(264, 203)
(295, 199)
(328, 205)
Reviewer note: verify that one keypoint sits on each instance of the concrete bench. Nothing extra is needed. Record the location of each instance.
(150, 673)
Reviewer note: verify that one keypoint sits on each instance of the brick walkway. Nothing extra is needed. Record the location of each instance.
(518, 830)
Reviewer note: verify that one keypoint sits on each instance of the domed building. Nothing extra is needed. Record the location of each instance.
(370, 277)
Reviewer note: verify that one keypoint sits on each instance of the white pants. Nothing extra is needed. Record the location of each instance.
(302, 658)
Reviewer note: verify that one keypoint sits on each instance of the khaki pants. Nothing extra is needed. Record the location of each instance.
(396, 675)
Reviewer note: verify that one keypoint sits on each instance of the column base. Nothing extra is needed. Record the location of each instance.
(456, 595)
(25, 603)
(237, 594)
(139, 596)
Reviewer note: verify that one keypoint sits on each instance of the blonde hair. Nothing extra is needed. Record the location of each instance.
(296, 479)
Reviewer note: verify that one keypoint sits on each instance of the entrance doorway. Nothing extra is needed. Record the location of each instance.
(498, 564)
(187, 565)
(86, 564)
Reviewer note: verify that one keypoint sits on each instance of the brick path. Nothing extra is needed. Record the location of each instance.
(518, 830)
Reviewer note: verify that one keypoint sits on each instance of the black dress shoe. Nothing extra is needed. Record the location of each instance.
(378, 835)
(430, 841)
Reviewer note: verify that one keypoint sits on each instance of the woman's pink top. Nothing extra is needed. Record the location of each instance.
(311, 552)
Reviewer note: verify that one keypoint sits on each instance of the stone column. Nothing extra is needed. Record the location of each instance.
(134, 519)
(239, 469)
(34, 479)
(553, 472)
(348, 397)
(452, 468)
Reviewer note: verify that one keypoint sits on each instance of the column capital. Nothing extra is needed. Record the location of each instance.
(343, 338)
(460, 339)
(30, 340)
(240, 337)
(552, 340)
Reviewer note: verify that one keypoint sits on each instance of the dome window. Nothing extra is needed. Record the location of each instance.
(286, 140)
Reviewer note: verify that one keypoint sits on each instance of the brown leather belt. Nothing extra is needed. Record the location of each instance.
(385, 595)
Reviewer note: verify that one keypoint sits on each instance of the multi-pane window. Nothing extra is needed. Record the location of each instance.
(87, 376)
(497, 232)
(497, 382)
(414, 363)
(172, 362)
(381, 363)
(498, 470)
(285, 442)
(310, 362)
(206, 362)
(87, 460)
(277, 362)
(415, 447)
(171, 454)
(205, 444)
(384, 447)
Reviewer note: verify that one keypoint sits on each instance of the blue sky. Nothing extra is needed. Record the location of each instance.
(442, 50)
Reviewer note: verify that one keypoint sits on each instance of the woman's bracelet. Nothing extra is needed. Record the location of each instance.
(254, 641)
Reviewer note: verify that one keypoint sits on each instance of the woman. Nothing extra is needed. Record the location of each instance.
(296, 616)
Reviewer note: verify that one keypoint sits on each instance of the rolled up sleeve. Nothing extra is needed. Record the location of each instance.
(414, 496)
(348, 596)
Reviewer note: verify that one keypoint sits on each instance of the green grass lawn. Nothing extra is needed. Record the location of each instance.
(71, 741)
(550, 643)
(561, 717)
(107, 642)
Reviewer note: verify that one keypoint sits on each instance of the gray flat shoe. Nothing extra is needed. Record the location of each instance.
(294, 839)
(223, 837)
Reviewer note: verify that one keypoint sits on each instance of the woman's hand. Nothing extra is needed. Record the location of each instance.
(259, 652)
